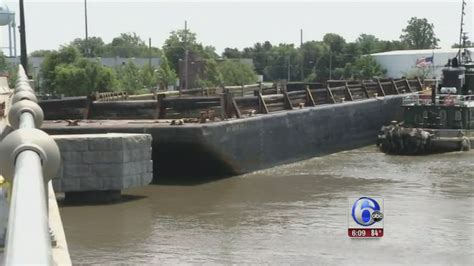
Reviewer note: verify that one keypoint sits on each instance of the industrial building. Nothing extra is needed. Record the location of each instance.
(406, 63)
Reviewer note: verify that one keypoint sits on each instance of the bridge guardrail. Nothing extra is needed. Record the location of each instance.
(29, 158)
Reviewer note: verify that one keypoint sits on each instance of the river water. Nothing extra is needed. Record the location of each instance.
(292, 214)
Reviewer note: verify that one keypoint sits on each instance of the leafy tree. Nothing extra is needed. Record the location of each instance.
(40, 53)
(365, 67)
(311, 77)
(234, 72)
(3, 63)
(165, 74)
(335, 42)
(129, 77)
(135, 80)
(351, 52)
(83, 77)
(129, 45)
(385, 46)
(280, 59)
(207, 52)
(312, 53)
(148, 77)
(210, 75)
(92, 47)
(231, 53)
(324, 59)
(8, 69)
(368, 43)
(260, 54)
(175, 47)
(66, 55)
(66, 72)
(419, 34)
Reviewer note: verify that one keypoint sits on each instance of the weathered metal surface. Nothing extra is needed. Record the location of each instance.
(239, 146)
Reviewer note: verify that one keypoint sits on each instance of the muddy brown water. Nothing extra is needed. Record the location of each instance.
(291, 214)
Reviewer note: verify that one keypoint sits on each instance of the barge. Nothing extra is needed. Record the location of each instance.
(238, 130)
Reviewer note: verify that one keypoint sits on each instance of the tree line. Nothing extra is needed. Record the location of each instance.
(75, 70)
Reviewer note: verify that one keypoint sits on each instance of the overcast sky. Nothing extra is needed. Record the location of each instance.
(222, 24)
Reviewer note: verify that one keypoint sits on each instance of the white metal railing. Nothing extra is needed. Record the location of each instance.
(441, 99)
(28, 160)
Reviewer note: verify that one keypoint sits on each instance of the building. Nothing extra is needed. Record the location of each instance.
(404, 62)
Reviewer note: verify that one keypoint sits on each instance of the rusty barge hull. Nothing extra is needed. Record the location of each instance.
(239, 146)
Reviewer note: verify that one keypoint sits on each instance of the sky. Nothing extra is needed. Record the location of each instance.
(236, 24)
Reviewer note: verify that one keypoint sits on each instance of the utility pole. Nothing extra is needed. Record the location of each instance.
(330, 64)
(186, 53)
(87, 33)
(289, 71)
(302, 55)
(149, 52)
(24, 54)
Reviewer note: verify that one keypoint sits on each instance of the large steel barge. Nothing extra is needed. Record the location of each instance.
(239, 130)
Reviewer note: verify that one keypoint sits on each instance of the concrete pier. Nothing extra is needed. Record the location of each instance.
(96, 167)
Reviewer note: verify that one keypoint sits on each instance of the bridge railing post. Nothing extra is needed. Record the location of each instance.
(29, 158)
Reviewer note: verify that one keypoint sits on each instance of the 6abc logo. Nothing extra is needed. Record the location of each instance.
(365, 217)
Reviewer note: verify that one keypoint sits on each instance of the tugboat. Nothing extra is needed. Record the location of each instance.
(440, 121)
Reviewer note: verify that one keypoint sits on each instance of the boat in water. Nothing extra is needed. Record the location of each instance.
(441, 120)
(438, 121)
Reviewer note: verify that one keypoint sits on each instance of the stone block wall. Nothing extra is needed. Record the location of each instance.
(103, 162)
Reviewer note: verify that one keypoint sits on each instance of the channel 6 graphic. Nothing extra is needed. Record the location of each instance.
(365, 218)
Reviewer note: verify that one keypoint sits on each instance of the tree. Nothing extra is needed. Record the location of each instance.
(336, 42)
(40, 53)
(260, 54)
(210, 75)
(8, 69)
(92, 47)
(129, 78)
(282, 60)
(83, 77)
(165, 74)
(419, 34)
(207, 52)
(129, 45)
(312, 53)
(367, 43)
(234, 72)
(365, 67)
(231, 53)
(67, 72)
(175, 47)
(148, 77)
(3, 63)
(66, 55)
(385, 46)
